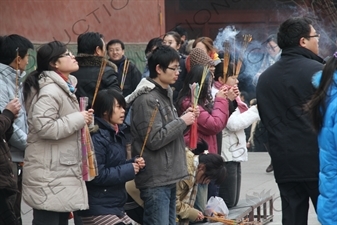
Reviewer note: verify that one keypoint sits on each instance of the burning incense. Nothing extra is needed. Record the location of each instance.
(247, 38)
(99, 79)
(226, 59)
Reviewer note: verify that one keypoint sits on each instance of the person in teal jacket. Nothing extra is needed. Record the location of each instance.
(323, 107)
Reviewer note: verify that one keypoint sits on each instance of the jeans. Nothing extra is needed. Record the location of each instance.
(43, 217)
(159, 205)
(201, 198)
(230, 189)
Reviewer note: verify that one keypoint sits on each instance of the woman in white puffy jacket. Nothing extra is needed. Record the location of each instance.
(233, 141)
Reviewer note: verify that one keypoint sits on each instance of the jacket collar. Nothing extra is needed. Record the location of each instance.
(102, 124)
(93, 61)
(295, 51)
(10, 73)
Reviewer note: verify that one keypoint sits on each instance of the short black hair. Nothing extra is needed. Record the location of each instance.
(87, 42)
(270, 38)
(180, 30)
(115, 41)
(105, 102)
(215, 167)
(10, 44)
(154, 42)
(292, 30)
(162, 56)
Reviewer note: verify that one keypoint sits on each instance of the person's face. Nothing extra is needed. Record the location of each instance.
(67, 63)
(115, 51)
(23, 62)
(170, 41)
(170, 76)
(200, 175)
(201, 46)
(272, 48)
(118, 114)
(311, 42)
(232, 81)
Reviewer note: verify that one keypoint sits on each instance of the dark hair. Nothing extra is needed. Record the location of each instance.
(115, 41)
(215, 167)
(8, 46)
(47, 55)
(162, 56)
(317, 105)
(208, 42)
(175, 35)
(181, 31)
(194, 76)
(87, 42)
(105, 102)
(219, 71)
(292, 30)
(154, 42)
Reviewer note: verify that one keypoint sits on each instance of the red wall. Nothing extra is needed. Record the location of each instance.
(132, 21)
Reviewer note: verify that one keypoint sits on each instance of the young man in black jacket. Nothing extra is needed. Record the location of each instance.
(281, 92)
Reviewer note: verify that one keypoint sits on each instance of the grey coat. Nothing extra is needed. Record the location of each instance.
(164, 151)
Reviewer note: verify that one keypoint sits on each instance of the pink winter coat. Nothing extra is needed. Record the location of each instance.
(209, 124)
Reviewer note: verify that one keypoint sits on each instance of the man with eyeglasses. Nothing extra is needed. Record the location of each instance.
(281, 92)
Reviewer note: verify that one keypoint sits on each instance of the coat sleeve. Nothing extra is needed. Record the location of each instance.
(48, 124)
(239, 121)
(184, 210)
(6, 120)
(161, 134)
(19, 137)
(214, 122)
(109, 80)
(108, 176)
(136, 76)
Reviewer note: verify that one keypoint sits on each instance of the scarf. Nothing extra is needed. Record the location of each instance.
(70, 86)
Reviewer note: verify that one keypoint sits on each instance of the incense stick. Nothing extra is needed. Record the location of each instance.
(247, 38)
(124, 73)
(99, 79)
(226, 60)
(153, 116)
(17, 73)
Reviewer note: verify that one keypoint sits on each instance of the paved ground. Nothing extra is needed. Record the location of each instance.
(255, 182)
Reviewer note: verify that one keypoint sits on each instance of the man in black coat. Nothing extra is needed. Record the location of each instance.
(281, 92)
(90, 55)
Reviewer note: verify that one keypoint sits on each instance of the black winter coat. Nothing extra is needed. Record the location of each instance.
(87, 76)
(281, 92)
(7, 180)
(132, 79)
(106, 193)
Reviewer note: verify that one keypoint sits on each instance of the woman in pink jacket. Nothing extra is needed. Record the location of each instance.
(213, 114)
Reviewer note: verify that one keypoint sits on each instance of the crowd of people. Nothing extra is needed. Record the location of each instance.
(168, 138)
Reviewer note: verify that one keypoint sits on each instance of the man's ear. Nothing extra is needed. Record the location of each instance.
(303, 42)
(159, 70)
(97, 50)
(201, 167)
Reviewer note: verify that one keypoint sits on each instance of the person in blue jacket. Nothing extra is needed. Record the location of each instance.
(323, 107)
(106, 192)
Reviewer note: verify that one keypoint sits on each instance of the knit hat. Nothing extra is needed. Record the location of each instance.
(199, 57)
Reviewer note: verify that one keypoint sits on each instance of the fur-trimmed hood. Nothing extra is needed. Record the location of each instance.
(144, 86)
(93, 60)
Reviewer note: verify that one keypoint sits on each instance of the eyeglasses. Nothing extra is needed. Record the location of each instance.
(178, 69)
(69, 54)
(312, 36)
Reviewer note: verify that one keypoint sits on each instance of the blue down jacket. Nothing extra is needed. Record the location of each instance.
(107, 194)
(327, 141)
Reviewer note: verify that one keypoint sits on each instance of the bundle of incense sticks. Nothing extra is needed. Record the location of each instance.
(226, 59)
(99, 79)
(17, 74)
(247, 38)
(125, 71)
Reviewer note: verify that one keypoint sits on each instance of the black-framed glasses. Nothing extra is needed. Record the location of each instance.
(178, 69)
(312, 36)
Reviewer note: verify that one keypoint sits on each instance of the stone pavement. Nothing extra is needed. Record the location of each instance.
(255, 182)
